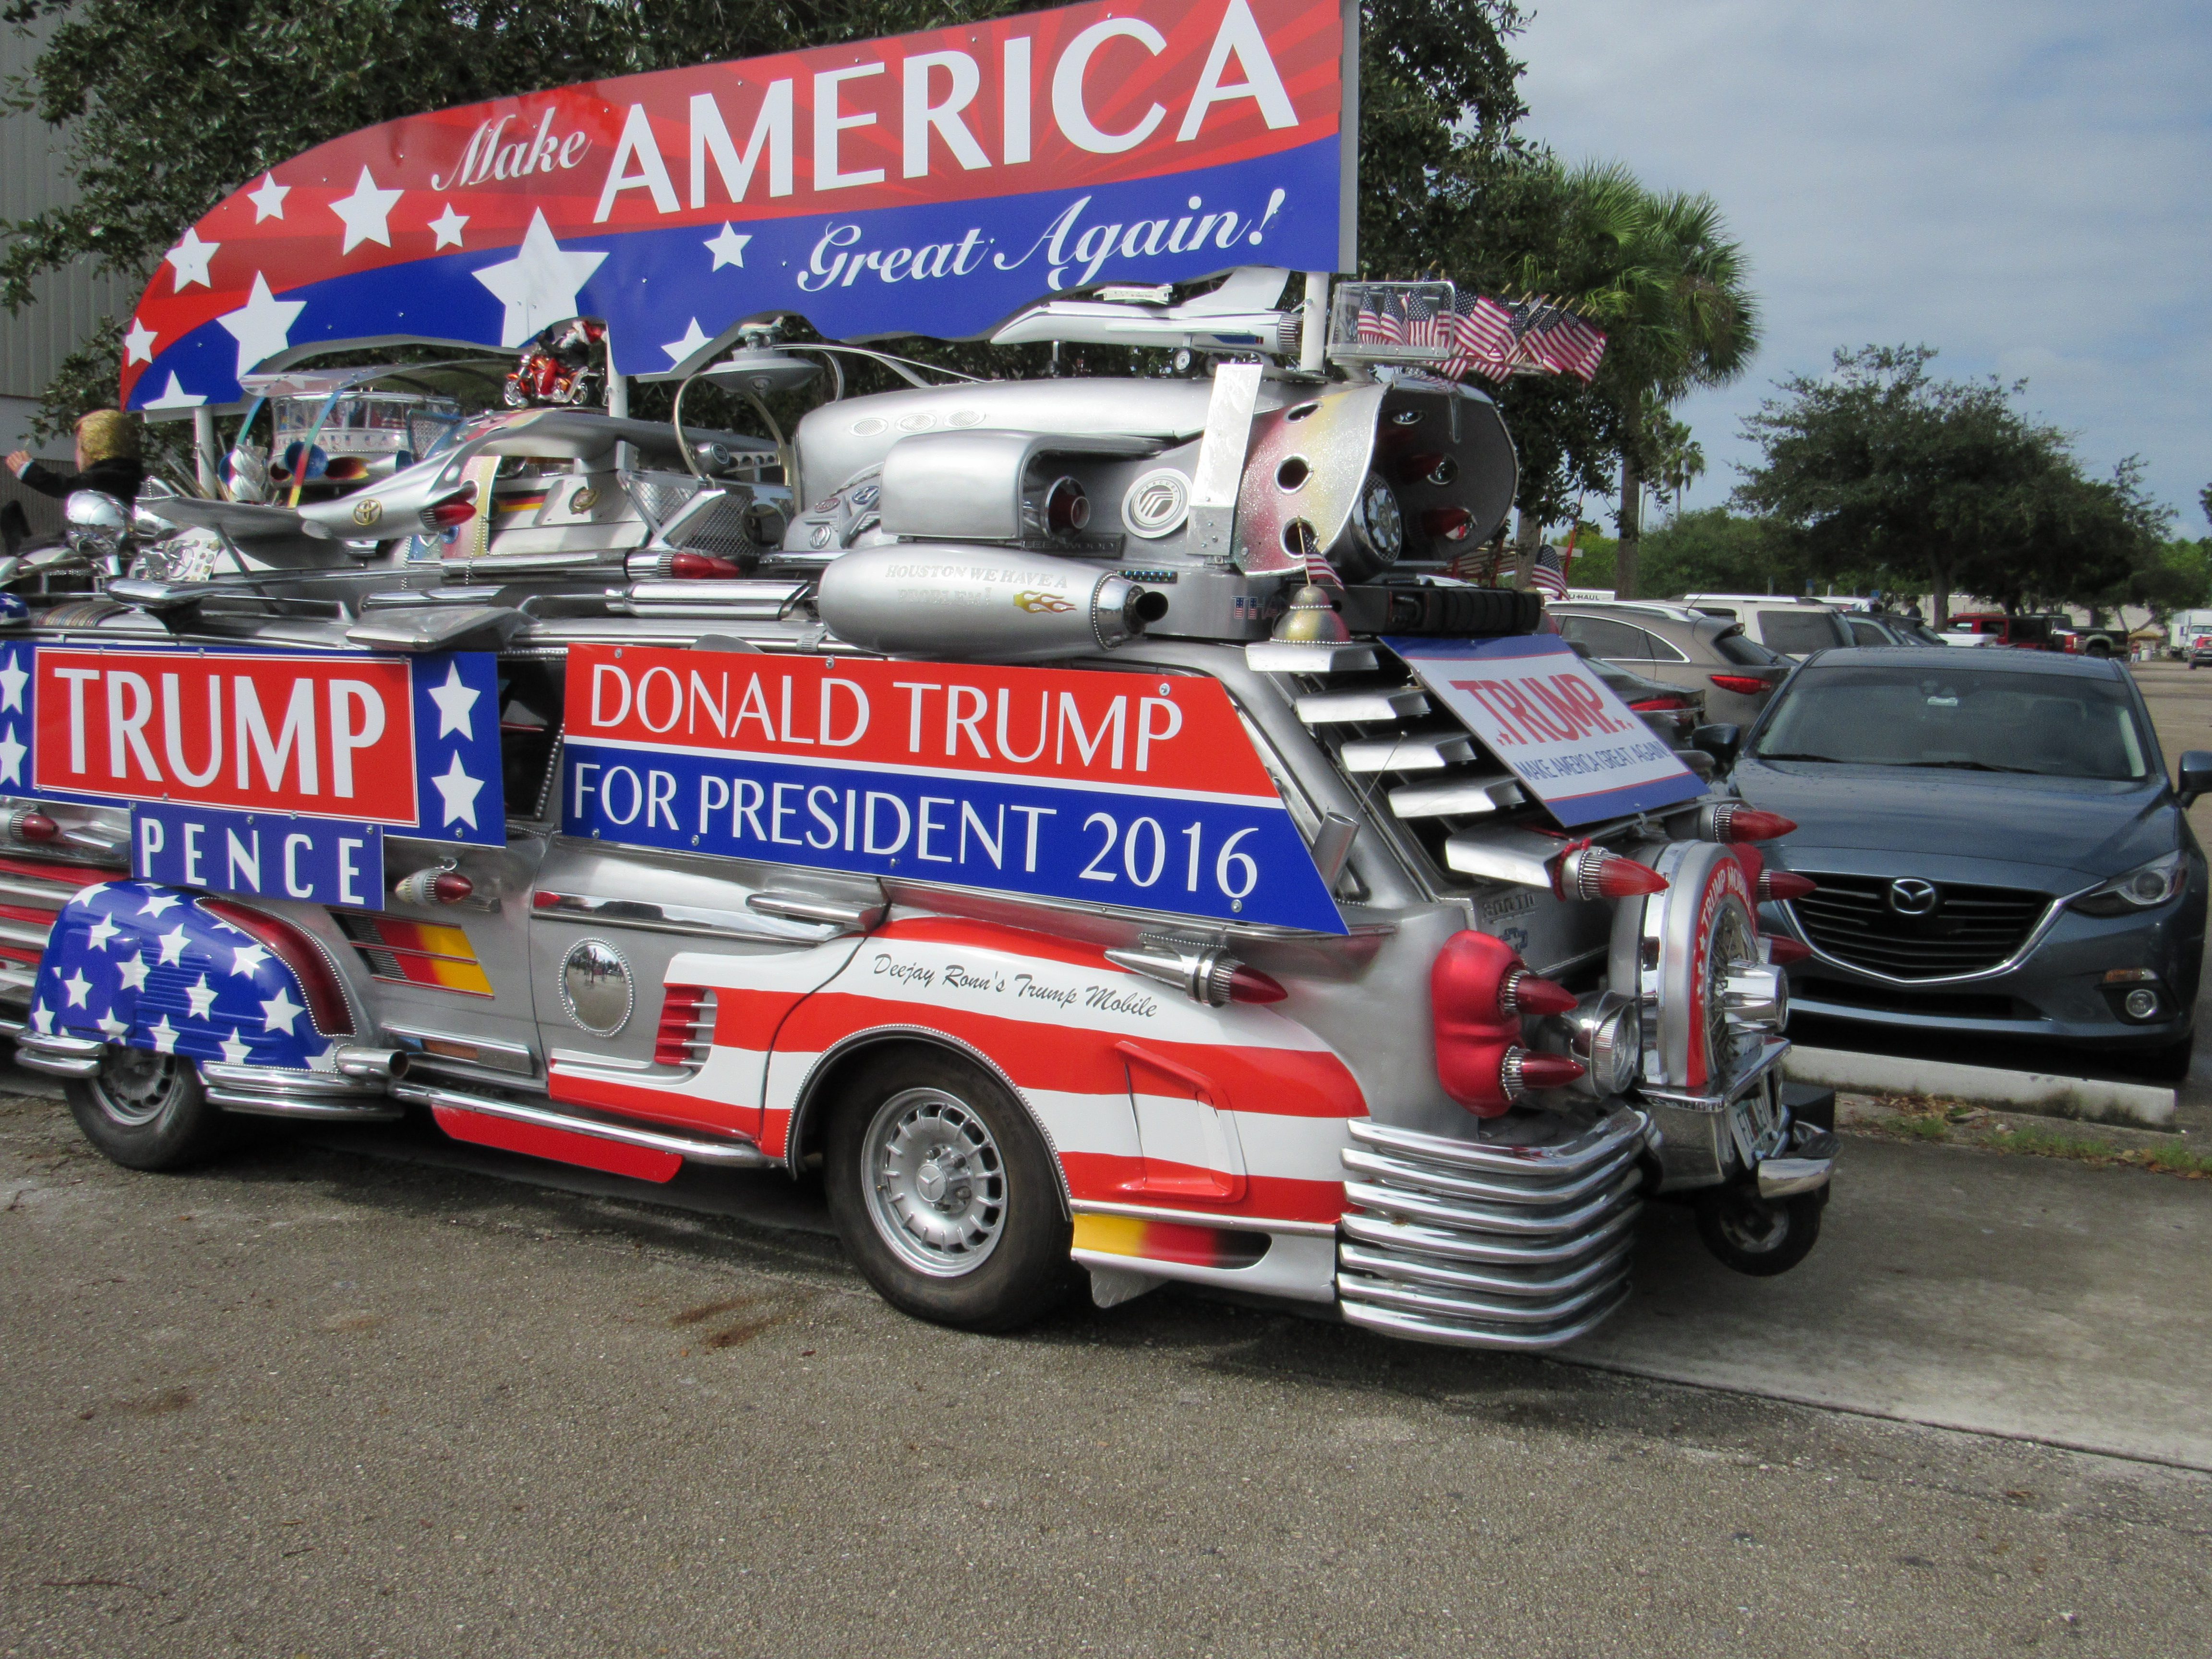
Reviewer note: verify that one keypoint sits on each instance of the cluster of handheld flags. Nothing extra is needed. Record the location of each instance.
(1494, 338)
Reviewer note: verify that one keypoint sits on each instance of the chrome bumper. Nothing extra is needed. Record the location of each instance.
(1706, 1138)
(274, 1091)
(1488, 1245)
(1810, 1164)
(61, 1056)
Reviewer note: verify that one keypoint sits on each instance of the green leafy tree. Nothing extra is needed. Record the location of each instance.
(1880, 467)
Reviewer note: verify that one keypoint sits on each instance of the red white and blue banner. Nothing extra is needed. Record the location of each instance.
(1569, 741)
(925, 184)
(259, 772)
(1122, 789)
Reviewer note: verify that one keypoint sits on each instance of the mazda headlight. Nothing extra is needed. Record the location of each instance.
(2141, 888)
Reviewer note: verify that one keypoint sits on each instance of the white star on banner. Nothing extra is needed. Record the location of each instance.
(164, 1036)
(111, 1027)
(43, 1018)
(234, 1050)
(157, 901)
(173, 947)
(263, 325)
(367, 212)
(139, 343)
(454, 702)
(14, 677)
(132, 972)
(280, 1010)
(677, 350)
(102, 931)
(78, 987)
(269, 200)
(201, 996)
(728, 248)
(539, 285)
(459, 791)
(188, 259)
(244, 959)
(446, 228)
(173, 396)
(11, 757)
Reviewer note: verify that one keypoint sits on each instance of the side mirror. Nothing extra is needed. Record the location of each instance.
(2196, 776)
(1722, 743)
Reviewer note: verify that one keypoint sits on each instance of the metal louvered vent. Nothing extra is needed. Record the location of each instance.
(719, 530)
(1422, 768)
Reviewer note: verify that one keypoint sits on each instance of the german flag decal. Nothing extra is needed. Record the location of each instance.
(414, 952)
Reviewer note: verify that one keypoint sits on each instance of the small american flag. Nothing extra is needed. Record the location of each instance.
(1564, 343)
(1380, 328)
(1548, 576)
(1482, 329)
(1319, 571)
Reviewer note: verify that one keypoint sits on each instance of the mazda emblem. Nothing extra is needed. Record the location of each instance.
(1909, 896)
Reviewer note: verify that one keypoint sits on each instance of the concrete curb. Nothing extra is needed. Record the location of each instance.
(1984, 1085)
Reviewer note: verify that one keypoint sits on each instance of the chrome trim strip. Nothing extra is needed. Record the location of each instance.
(727, 1154)
(1603, 1140)
(642, 917)
(1518, 1222)
(1491, 1249)
(25, 933)
(283, 1080)
(61, 1056)
(1420, 1327)
(1384, 1264)
(1356, 1287)
(1244, 1224)
(801, 906)
(489, 1053)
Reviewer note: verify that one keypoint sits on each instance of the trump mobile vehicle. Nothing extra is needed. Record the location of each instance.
(1075, 814)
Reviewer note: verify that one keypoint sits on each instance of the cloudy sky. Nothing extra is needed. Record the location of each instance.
(2024, 184)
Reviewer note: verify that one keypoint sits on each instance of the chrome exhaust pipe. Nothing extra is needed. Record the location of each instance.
(379, 1065)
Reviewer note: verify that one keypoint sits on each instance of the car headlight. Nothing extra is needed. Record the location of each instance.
(2140, 888)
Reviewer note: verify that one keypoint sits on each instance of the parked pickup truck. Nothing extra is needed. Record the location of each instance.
(1995, 628)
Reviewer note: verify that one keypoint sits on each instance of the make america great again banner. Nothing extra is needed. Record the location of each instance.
(930, 183)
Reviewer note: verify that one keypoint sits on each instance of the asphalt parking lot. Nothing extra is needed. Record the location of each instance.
(376, 1394)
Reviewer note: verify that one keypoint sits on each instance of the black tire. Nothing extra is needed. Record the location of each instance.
(993, 1254)
(1756, 1236)
(147, 1111)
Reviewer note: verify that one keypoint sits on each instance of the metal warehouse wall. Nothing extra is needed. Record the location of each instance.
(68, 303)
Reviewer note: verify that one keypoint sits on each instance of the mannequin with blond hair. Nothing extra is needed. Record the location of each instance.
(107, 459)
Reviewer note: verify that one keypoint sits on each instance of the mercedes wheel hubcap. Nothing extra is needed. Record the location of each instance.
(937, 1183)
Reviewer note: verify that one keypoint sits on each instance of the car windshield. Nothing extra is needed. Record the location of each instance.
(1738, 646)
(2060, 726)
(1802, 632)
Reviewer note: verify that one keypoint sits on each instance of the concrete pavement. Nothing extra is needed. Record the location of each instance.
(312, 1402)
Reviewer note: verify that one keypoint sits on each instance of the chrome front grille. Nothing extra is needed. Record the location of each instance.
(1487, 1244)
(1969, 931)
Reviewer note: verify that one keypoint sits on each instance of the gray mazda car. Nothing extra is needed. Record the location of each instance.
(1996, 845)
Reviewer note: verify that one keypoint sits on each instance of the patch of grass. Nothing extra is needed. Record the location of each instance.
(1917, 1117)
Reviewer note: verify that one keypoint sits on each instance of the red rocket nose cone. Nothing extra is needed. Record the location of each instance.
(1539, 1071)
(1785, 885)
(1532, 995)
(1749, 823)
(1626, 878)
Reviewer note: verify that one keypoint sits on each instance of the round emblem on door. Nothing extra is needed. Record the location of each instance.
(1909, 896)
(595, 987)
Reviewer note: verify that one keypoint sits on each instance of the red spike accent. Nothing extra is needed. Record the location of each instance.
(1779, 885)
(702, 566)
(1749, 823)
(1621, 877)
(452, 887)
(1250, 985)
(37, 826)
(1525, 993)
(1782, 952)
(1537, 1070)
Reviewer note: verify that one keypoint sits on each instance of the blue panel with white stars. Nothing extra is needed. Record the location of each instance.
(454, 701)
(146, 967)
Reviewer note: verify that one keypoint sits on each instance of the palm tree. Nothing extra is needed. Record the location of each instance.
(1668, 284)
